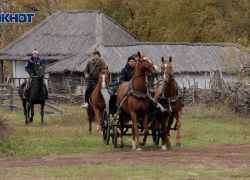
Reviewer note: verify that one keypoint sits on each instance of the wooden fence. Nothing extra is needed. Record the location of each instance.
(235, 94)
(13, 80)
(10, 95)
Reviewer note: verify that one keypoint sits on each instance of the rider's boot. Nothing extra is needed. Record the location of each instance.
(85, 105)
(25, 94)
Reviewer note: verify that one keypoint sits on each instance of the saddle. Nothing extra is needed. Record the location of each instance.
(25, 83)
(93, 85)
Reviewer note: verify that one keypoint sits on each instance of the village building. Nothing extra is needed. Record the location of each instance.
(66, 42)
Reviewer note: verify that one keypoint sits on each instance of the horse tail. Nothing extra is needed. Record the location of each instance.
(21, 90)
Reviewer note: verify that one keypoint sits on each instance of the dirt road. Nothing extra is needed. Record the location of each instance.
(221, 156)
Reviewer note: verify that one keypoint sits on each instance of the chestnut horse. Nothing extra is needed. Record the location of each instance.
(171, 98)
(97, 103)
(135, 106)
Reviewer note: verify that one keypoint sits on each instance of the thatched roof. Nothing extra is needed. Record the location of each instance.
(68, 33)
(187, 57)
(246, 68)
(71, 37)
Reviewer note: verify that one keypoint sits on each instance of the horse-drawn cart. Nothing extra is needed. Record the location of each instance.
(110, 121)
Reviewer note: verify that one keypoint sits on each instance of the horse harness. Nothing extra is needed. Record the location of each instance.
(93, 88)
(171, 100)
(135, 94)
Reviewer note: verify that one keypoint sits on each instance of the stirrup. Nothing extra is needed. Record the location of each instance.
(24, 96)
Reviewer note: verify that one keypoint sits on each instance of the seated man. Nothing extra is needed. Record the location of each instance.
(92, 73)
(128, 71)
(30, 68)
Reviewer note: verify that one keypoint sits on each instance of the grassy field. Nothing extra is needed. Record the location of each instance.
(69, 133)
(151, 171)
(65, 134)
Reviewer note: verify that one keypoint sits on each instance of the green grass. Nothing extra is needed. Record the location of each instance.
(69, 133)
(151, 171)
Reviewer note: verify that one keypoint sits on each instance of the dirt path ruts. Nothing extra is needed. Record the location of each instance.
(222, 156)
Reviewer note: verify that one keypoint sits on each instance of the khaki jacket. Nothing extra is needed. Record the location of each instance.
(94, 75)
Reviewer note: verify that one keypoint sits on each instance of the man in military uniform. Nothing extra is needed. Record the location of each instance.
(92, 74)
(30, 68)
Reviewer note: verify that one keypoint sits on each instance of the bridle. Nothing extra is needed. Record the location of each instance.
(40, 69)
(167, 72)
(147, 67)
(103, 79)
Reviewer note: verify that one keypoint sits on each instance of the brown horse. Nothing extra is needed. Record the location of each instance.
(136, 106)
(176, 103)
(97, 101)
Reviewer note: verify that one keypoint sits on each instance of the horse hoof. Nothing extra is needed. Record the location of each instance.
(178, 144)
(122, 145)
(142, 142)
(139, 149)
(27, 124)
(164, 148)
(169, 146)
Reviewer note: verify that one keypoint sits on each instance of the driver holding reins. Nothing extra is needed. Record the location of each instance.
(92, 74)
(31, 69)
(128, 71)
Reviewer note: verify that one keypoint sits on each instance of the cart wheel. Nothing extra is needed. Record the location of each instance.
(105, 127)
(156, 137)
(114, 137)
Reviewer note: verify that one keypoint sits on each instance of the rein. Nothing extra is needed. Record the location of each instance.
(130, 88)
(147, 67)
(173, 99)
(166, 71)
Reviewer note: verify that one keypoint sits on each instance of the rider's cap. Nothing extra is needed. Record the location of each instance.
(97, 52)
(35, 51)
(131, 58)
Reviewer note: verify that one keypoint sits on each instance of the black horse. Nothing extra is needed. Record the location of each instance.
(35, 95)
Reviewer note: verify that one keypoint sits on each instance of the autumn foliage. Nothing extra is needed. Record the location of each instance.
(151, 20)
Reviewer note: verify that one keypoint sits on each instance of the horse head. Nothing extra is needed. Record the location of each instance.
(146, 64)
(167, 69)
(40, 71)
(103, 77)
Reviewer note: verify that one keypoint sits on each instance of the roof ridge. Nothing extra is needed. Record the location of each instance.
(173, 43)
(81, 11)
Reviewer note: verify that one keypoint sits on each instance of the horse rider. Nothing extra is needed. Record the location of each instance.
(31, 69)
(92, 74)
(128, 71)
